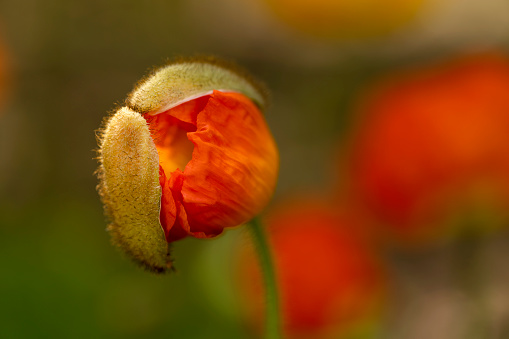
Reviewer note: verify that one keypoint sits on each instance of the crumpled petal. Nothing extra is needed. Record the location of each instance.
(232, 173)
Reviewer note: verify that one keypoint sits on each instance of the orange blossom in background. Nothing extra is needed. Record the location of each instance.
(432, 148)
(189, 155)
(4, 73)
(330, 281)
(346, 18)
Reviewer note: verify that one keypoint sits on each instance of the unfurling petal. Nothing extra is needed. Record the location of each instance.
(232, 173)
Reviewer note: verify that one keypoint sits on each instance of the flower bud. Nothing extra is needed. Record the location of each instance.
(189, 156)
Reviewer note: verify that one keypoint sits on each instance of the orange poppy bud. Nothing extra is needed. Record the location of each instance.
(330, 280)
(431, 153)
(189, 156)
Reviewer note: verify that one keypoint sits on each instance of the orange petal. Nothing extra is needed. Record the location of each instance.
(233, 170)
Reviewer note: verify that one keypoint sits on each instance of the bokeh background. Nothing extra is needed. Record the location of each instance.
(64, 65)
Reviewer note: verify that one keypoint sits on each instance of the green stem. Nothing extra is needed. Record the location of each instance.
(272, 323)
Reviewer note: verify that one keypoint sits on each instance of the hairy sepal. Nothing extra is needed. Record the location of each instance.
(188, 79)
(130, 189)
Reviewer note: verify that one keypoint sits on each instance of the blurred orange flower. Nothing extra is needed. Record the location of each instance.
(218, 164)
(4, 73)
(330, 281)
(346, 18)
(433, 149)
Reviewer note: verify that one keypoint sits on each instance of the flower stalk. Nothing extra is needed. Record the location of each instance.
(272, 314)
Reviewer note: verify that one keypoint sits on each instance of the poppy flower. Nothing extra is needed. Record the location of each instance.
(190, 155)
(431, 153)
(330, 280)
(4, 73)
(346, 18)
